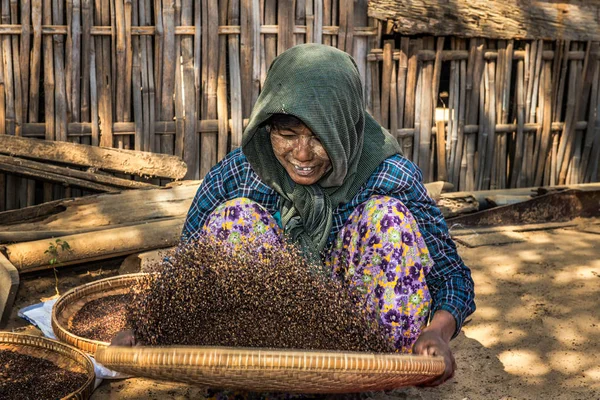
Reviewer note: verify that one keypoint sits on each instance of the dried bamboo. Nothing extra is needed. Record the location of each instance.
(546, 125)
(318, 21)
(461, 119)
(473, 90)
(285, 25)
(343, 26)
(386, 79)
(418, 95)
(18, 93)
(518, 159)
(488, 156)
(402, 72)
(136, 79)
(411, 83)
(25, 53)
(168, 72)
(360, 43)
(426, 117)
(300, 19)
(350, 4)
(327, 20)
(234, 69)
(208, 156)
(159, 38)
(191, 150)
(222, 88)
(375, 96)
(394, 103)
(437, 71)
(87, 22)
(60, 96)
(75, 61)
(442, 173)
(48, 86)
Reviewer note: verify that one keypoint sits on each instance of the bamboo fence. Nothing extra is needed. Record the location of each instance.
(180, 77)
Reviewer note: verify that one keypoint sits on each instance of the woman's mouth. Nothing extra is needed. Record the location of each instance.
(304, 171)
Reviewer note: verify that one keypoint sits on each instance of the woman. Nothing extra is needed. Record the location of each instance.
(315, 166)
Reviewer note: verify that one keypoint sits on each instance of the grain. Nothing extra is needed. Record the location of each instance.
(259, 295)
(27, 377)
(101, 319)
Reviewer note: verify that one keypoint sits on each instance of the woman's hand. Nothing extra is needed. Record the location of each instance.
(434, 341)
(124, 338)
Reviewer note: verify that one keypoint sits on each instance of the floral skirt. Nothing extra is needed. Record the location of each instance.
(379, 252)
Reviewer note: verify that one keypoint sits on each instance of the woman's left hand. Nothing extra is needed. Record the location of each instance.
(431, 343)
(434, 341)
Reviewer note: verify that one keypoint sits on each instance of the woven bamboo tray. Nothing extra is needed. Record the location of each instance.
(69, 303)
(265, 370)
(63, 355)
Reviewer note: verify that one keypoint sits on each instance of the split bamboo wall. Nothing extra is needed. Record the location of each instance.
(181, 77)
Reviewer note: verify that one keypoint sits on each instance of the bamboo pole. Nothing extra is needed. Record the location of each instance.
(234, 68)
(490, 142)
(318, 22)
(411, 83)
(418, 95)
(222, 87)
(402, 73)
(48, 55)
(285, 25)
(437, 71)
(518, 159)
(343, 24)
(394, 103)
(474, 80)
(25, 53)
(191, 151)
(327, 20)
(350, 4)
(121, 64)
(60, 97)
(86, 25)
(546, 125)
(459, 161)
(375, 92)
(386, 79)
(168, 73)
(3, 177)
(427, 108)
(155, 59)
(208, 156)
(300, 19)
(136, 78)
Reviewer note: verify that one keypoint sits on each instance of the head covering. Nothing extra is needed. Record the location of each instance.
(321, 86)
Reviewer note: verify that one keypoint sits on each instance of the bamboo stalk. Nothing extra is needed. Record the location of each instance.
(136, 78)
(473, 88)
(411, 84)
(460, 160)
(87, 22)
(25, 53)
(157, 57)
(437, 71)
(318, 21)
(343, 22)
(168, 72)
(518, 160)
(427, 108)
(300, 19)
(491, 132)
(375, 90)
(360, 44)
(386, 79)
(93, 97)
(234, 68)
(208, 143)
(546, 124)
(121, 63)
(60, 97)
(350, 4)
(222, 87)
(394, 103)
(418, 96)
(48, 55)
(285, 25)
(536, 80)
(327, 20)
(402, 72)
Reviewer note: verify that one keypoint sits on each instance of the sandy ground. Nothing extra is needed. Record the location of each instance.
(535, 334)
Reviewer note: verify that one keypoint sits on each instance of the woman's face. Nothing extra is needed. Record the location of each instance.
(301, 153)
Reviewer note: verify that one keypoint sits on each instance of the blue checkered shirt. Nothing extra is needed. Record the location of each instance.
(449, 280)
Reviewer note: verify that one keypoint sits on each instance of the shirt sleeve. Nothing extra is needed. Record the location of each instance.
(449, 280)
(210, 195)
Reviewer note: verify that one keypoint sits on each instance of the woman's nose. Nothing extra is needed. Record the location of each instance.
(303, 150)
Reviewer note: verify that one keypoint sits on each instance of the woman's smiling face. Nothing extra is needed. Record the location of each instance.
(298, 150)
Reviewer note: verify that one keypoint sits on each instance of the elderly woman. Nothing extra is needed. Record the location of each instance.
(315, 166)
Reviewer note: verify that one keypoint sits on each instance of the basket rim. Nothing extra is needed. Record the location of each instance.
(72, 352)
(62, 332)
(243, 358)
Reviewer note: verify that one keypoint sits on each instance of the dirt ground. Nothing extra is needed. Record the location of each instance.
(535, 334)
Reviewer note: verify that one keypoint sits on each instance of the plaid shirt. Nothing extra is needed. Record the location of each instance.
(449, 280)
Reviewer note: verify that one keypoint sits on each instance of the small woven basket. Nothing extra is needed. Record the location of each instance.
(267, 370)
(71, 302)
(64, 356)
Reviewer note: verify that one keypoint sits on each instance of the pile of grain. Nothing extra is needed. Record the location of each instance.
(101, 319)
(27, 377)
(256, 296)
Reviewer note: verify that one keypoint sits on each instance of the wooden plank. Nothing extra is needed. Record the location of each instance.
(119, 160)
(57, 174)
(500, 19)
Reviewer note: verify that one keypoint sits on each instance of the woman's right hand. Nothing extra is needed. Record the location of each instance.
(124, 338)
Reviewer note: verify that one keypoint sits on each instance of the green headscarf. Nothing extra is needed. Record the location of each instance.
(320, 85)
